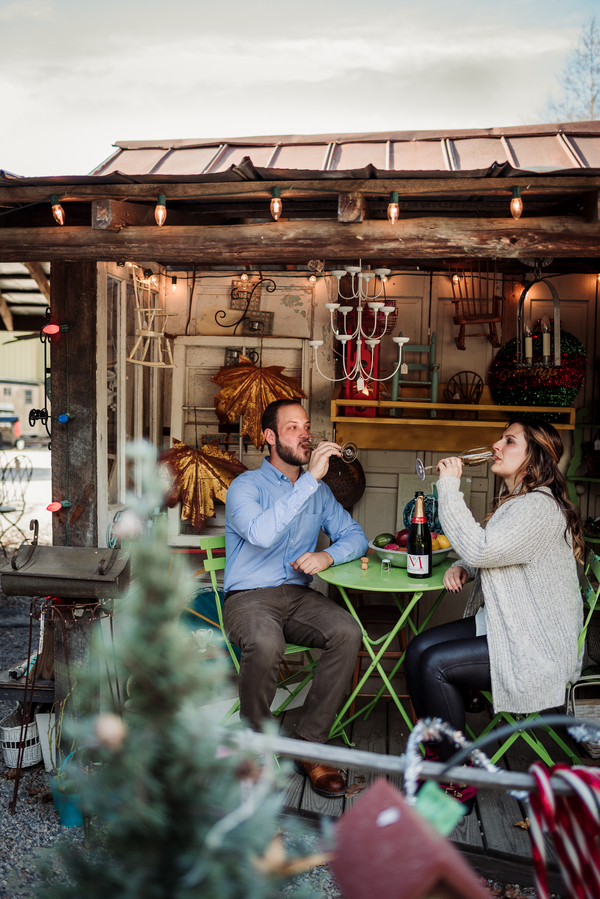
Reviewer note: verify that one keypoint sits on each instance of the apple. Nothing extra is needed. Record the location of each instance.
(402, 537)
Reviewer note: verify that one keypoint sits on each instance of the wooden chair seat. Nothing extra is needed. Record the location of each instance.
(476, 319)
(477, 300)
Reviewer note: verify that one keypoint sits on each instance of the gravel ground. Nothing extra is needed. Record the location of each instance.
(30, 834)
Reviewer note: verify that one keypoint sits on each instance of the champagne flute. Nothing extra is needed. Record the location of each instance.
(349, 450)
(477, 456)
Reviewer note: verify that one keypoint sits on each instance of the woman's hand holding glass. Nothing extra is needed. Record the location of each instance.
(455, 578)
(450, 468)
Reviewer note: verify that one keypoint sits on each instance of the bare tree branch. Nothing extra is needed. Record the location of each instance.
(580, 80)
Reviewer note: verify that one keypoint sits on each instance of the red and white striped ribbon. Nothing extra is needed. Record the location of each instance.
(574, 822)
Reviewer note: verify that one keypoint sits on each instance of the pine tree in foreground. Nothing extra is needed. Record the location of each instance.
(169, 818)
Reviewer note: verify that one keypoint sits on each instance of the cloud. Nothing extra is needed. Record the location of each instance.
(84, 79)
(24, 9)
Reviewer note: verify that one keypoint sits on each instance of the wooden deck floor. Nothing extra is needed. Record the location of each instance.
(488, 838)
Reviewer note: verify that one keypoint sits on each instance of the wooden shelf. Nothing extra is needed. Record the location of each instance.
(575, 462)
(416, 429)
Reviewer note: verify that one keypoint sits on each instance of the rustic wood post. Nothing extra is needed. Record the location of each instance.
(73, 302)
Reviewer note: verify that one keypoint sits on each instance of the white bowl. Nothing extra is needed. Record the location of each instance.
(398, 559)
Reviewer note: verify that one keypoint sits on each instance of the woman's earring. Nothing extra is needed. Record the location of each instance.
(529, 469)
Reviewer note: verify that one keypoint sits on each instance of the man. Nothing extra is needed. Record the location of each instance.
(272, 521)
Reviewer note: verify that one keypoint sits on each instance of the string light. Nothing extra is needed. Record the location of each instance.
(244, 276)
(516, 204)
(160, 213)
(313, 279)
(64, 417)
(174, 283)
(276, 204)
(58, 505)
(57, 211)
(52, 329)
(393, 210)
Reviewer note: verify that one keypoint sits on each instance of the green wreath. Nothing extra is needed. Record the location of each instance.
(538, 386)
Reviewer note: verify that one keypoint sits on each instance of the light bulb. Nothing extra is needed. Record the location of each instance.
(313, 279)
(244, 276)
(57, 211)
(276, 204)
(456, 278)
(51, 329)
(516, 204)
(58, 505)
(160, 213)
(174, 284)
(393, 210)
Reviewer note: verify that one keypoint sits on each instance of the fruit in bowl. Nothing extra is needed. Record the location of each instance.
(402, 538)
(398, 556)
(384, 539)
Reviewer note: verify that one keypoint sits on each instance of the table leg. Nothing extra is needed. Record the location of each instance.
(339, 723)
(415, 631)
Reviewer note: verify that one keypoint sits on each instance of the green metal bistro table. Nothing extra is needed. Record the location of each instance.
(350, 576)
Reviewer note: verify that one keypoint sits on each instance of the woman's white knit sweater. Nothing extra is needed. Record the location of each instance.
(526, 573)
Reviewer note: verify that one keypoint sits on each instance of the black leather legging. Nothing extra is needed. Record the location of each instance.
(441, 665)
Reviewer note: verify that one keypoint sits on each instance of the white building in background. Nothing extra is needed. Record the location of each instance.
(22, 380)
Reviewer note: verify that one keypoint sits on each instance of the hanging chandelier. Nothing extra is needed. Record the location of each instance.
(354, 332)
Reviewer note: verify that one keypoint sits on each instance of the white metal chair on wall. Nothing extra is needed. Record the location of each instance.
(15, 475)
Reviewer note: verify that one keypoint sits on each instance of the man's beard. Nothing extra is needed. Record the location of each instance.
(287, 454)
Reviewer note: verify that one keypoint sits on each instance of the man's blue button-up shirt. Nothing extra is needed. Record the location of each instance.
(270, 522)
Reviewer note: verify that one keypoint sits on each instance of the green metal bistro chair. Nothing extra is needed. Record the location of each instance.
(590, 590)
(216, 563)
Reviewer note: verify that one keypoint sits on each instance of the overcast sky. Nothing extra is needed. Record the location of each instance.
(76, 76)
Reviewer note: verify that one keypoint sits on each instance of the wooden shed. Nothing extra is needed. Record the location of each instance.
(453, 224)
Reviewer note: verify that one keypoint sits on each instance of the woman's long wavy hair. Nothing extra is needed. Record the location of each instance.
(544, 450)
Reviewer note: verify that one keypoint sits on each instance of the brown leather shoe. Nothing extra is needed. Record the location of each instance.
(324, 780)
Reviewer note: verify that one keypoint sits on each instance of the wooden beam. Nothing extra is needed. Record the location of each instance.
(351, 207)
(39, 276)
(288, 242)
(29, 193)
(113, 215)
(591, 205)
(6, 314)
(74, 388)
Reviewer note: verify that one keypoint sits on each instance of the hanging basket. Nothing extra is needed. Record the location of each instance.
(10, 733)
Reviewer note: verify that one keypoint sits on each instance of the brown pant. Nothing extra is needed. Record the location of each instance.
(261, 621)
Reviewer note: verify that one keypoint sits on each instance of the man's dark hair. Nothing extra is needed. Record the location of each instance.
(269, 416)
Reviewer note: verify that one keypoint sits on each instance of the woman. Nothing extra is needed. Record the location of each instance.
(519, 634)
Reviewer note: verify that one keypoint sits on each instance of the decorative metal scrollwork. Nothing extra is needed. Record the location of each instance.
(245, 294)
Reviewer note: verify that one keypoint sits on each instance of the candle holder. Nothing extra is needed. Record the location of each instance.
(522, 358)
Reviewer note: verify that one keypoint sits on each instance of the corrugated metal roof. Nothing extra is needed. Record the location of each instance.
(20, 290)
(531, 148)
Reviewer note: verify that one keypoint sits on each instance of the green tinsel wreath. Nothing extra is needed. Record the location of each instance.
(538, 386)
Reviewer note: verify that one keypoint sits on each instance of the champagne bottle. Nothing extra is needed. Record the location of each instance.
(418, 558)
